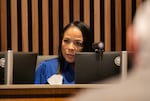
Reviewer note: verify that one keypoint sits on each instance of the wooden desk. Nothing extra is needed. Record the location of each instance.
(43, 92)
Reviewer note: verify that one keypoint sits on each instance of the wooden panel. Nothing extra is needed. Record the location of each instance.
(14, 25)
(107, 25)
(118, 24)
(35, 37)
(35, 10)
(38, 99)
(128, 12)
(45, 27)
(76, 10)
(96, 20)
(24, 26)
(138, 2)
(44, 92)
(87, 12)
(3, 23)
(65, 12)
(55, 27)
(0, 23)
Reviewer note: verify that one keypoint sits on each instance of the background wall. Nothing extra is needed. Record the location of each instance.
(35, 25)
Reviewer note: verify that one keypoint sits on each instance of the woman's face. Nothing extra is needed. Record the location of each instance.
(71, 43)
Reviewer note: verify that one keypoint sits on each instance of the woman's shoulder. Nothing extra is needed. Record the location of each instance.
(48, 64)
(50, 61)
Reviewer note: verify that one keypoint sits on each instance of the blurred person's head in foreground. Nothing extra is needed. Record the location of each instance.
(135, 87)
(138, 36)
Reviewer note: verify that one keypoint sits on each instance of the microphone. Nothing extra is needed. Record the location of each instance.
(98, 46)
(99, 49)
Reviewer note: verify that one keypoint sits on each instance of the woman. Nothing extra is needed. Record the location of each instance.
(76, 37)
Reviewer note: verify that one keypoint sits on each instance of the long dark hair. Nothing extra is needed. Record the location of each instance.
(87, 40)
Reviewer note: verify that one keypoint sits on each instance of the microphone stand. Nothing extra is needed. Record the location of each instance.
(99, 49)
(99, 53)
